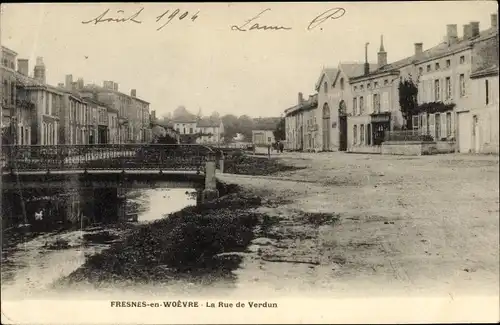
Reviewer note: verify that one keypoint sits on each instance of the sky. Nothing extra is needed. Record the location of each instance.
(201, 63)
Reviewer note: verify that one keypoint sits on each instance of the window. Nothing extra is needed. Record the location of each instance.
(375, 85)
(437, 128)
(355, 134)
(325, 87)
(361, 105)
(448, 63)
(190, 130)
(386, 82)
(448, 87)
(462, 59)
(462, 85)
(361, 87)
(368, 134)
(376, 103)
(420, 70)
(355, 87)
(342, 83)
(437, 90)
(47, 100)
(428, 68)
(368, 85)
(355, 106)
(486, 85)
(437, 66)
(362, 134)
(448, 124)
(414, 122)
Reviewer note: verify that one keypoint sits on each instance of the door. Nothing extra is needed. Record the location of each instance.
(475, 134)
(464, 132)
(342, 133)
(326, 127)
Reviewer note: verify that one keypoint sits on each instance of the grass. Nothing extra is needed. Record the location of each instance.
(185, 243)
(251, 165)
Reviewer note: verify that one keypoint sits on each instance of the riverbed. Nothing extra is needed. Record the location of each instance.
(33, 262)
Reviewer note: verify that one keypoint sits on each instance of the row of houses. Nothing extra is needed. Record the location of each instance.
(36, 113)
(456, 85)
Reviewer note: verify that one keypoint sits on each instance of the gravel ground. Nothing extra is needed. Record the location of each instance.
(394, 225)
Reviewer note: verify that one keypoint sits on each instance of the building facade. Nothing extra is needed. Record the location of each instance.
(112, 125)
(211, 131)
(262, 138)
(301, 130)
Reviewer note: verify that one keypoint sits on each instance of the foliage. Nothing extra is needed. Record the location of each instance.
(279, 132)
(408, 92)
(434, 107)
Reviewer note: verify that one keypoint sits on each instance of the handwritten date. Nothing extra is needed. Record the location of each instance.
(166, 16)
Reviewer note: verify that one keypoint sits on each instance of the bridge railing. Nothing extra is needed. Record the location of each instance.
(106, 157)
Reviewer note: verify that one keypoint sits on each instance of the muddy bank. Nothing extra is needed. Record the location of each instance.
(251, 165)
(192, 243)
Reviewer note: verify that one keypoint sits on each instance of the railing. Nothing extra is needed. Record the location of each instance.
(407, 136)
(105, 157)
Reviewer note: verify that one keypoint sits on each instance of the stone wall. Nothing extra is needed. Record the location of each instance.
(413, 148)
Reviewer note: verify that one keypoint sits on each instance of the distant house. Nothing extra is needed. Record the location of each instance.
(210, 131)
(262, 138)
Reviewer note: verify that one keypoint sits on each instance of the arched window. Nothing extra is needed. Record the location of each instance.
(325, 87)
(341, 83)
(326, 111)
(355, 134)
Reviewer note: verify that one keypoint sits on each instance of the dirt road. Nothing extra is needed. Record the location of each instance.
(353, 224)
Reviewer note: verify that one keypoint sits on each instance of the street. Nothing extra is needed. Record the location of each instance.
(406, 225)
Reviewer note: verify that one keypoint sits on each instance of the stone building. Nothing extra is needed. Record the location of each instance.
(30, 106)
(76, 120)
(210, 129)
(301, 130)
(262, 138)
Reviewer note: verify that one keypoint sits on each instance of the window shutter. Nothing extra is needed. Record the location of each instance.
(369, 103)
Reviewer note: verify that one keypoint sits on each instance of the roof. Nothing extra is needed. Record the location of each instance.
(330, 73)
(488, 71)
(435, 52)
(208, 122)
(184, 119)
(95, 102)
(97, 88)
(6, 49)
(29, 82)
(310, 103)
(355, 69)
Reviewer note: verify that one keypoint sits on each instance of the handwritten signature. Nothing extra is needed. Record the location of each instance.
(334, 13)
(242, 28)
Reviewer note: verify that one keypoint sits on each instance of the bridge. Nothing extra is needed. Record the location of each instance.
(101, 165)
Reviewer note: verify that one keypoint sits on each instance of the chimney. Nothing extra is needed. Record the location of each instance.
(39, 70)
(367, 65)
(451, 34)
(133, 92)
(494, 21)
(382, 54)
(467, 32)
(115, 86)
(69, 81)
(23, 66)
(474, 25)
(80, 84)
(419, 48)
(301, 98)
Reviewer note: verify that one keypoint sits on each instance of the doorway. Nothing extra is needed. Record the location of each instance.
(326, 127)
(342, 126)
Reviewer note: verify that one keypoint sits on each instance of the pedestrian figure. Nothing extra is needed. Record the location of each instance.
(39, 220)
(281, 147)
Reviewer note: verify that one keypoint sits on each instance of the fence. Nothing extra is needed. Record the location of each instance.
(109, 156)
(407, 136)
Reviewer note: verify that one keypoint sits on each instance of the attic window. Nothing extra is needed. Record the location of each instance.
(375, 85)
(448, 63)
(428, 68)
(355, 87)
(462, 59)
(368, 85)
(420, 70)
(386, 82)
(437, 66)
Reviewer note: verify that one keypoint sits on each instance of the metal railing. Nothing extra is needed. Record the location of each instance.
(105, 157)
(407, 136)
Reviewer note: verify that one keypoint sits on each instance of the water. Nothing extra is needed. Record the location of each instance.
(32, 261)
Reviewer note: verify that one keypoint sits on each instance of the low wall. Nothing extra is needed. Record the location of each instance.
(409, 148)
(364, 149)
(445, 146)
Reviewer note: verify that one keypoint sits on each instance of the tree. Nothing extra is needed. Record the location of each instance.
(279, 132)
(408, 103)
(246, 125)
(231, 126)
